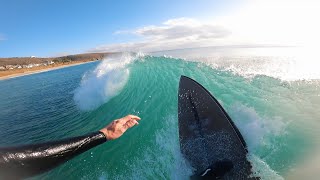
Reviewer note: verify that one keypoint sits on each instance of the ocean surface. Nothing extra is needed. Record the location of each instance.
(274, 99)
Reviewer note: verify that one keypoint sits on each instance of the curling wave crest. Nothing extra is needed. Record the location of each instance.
(104, 82)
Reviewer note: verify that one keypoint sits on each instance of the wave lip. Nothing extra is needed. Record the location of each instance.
(104, 82)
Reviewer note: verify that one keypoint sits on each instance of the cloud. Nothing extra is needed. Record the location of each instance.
(253, 23)
(182, 28)
(171, 34)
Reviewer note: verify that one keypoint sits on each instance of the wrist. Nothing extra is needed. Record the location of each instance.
(105, 132)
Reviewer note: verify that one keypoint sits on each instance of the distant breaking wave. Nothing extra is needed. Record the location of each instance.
(284, 63)
(283, 68)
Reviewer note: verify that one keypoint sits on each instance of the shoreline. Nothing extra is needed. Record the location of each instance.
(36, 71)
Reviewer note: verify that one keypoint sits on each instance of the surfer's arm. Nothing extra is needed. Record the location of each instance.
(29, 160)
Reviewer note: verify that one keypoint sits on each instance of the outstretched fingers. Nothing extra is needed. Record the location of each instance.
(124, 120)
(115, 129)
(129, 121)
(133, 117)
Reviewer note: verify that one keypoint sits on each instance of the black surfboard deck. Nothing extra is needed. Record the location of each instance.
(206, 132)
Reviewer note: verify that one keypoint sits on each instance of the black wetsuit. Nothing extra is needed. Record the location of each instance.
(25, 161)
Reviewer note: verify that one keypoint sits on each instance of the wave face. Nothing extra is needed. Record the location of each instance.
(277, 116)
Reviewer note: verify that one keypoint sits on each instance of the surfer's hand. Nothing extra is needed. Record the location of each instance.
(117, 127)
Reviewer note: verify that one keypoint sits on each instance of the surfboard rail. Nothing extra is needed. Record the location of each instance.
(207, 134)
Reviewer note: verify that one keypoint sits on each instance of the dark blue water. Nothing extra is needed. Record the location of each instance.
(34, 107)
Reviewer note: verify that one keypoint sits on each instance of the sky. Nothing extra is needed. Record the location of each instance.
(57, 27)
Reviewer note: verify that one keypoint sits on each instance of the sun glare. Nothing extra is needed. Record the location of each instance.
(288, 23)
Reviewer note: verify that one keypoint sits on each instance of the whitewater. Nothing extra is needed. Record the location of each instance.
(273, 98)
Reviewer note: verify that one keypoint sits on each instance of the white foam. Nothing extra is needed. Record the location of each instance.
(170, 159)
(104, 82)
(258, 132)
(285, 63)
(261, 169)
(284, 68)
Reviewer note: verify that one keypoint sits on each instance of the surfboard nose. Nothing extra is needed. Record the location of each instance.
(206, 132)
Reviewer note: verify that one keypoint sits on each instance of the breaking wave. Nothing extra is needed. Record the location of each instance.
(104, 82)
(285, 63)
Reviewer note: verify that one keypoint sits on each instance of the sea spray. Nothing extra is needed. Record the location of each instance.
(104, 82)
(259, 133)
(261, 169)
(257, 130)
(286, 63)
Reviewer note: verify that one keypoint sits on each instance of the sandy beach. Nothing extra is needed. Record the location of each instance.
(24, 72)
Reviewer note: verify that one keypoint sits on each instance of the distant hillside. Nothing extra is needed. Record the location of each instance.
(62, 59)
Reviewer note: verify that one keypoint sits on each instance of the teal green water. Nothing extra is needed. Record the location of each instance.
(278, 119)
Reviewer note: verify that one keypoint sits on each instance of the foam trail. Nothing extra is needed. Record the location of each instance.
(170, 159)
(258, 132)
(261, 169)
(104, 82)
(161, 160)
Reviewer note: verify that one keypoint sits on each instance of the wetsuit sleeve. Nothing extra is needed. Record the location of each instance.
(29, 160)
